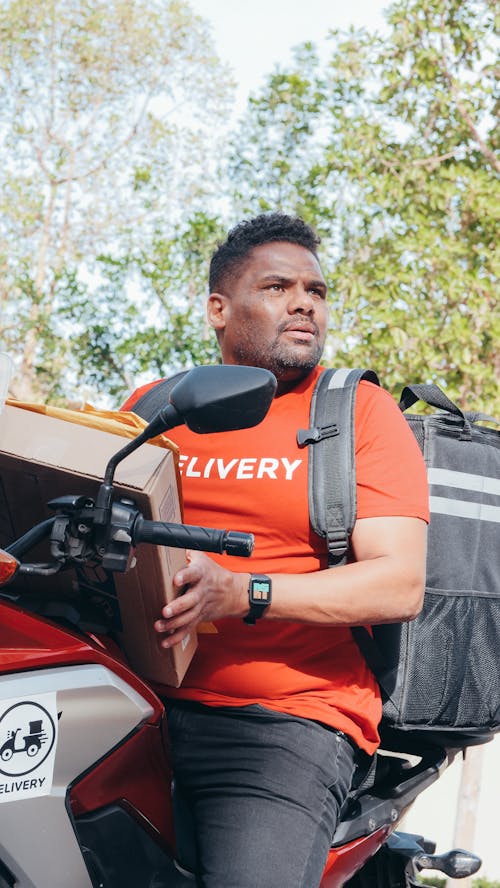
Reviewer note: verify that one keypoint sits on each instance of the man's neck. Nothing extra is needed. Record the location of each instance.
(288, 384)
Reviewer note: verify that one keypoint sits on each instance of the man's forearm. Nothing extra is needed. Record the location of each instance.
(367, 592)
(384, 584)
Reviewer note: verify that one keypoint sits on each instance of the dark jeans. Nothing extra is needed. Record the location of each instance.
(264, 789)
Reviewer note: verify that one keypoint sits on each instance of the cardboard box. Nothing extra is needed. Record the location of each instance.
(42, 458)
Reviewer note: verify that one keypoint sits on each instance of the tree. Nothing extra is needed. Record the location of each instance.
(390, 149)
(388, 146)
(468, 802)
(161, 325)
(105, 109)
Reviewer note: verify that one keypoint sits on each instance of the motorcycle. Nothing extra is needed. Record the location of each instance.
(99, 808)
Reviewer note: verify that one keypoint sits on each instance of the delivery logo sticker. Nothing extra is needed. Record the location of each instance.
(28, 741)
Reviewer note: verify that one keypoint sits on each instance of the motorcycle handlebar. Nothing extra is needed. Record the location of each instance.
(186, 536)
(30, 539)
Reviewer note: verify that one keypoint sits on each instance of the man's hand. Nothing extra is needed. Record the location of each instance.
(204, 592)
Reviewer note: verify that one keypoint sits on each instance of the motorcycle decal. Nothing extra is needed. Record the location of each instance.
(28, 742)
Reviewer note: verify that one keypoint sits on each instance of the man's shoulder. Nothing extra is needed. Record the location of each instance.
(375, 404)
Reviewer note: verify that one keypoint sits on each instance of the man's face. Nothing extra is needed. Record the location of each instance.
(274, 312)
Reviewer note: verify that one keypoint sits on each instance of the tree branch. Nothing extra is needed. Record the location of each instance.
(464, 114)
(434, 160)
(483, 147)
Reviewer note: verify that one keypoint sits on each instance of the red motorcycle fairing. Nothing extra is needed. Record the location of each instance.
(346, 861)
(136, 776)
(30, 642)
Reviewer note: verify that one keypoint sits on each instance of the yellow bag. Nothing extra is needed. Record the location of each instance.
(116, 422)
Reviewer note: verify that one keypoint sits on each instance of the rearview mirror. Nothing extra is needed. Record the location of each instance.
(214, 398)
(217, 398)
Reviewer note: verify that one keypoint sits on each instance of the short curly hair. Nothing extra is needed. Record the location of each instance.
(241, 240)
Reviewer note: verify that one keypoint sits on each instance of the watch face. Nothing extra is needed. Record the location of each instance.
(260, 590)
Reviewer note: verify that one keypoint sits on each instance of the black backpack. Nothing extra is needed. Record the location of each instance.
(441, 671)
(156, 397)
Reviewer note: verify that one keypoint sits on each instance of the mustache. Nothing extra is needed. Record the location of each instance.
(307, 326)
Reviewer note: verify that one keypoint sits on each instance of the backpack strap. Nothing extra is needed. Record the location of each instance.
(148, 405)
(332, 472)
(332, 481)
(375, 659)
(431, 394)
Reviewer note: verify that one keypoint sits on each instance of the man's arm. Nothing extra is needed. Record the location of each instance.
(384, 585)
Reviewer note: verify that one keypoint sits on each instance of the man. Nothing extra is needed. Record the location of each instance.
(269, 722)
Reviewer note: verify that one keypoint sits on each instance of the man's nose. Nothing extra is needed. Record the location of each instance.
(301, 299)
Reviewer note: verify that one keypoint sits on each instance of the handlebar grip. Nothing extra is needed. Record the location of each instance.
(238, 543)
(187, 536)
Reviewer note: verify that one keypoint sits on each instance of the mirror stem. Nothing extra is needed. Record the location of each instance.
(168, 418)
(105, 494)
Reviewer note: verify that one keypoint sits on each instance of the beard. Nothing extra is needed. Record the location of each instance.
(279, 357)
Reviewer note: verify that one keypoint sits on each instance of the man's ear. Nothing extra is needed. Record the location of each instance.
(217, 305)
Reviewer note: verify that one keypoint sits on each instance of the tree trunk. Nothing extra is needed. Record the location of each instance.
(467, 806)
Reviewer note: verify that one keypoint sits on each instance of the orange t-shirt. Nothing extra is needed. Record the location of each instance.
(255, 480)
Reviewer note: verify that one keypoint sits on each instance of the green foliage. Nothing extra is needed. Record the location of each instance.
(146, 315)
(485, 883)
(440, 882)
(434, 881)
(388, 146)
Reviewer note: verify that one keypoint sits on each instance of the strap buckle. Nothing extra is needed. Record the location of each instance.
(338, 544)
(315, 434)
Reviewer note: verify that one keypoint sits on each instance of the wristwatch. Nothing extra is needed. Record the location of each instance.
(259, 597)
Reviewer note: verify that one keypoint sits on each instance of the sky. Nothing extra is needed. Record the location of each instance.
(253, 36)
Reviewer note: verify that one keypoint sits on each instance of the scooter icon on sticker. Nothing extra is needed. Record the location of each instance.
(32, 741)
(27, 734)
